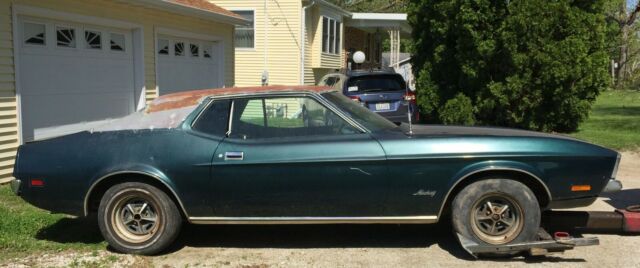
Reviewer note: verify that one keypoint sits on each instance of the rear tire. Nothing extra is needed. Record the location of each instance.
(496, 212)
(138, 218)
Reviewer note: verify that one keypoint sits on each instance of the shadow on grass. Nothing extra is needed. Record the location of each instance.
(617, 111)
(69, 230)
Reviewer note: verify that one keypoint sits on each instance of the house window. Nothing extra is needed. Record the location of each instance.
(163, 46)
(66, 37)
(195, 50)
(34, 34)
(178, 48)
(93, 39)
(245, 34)
(331, 35)
(117, 42)
(325, 34)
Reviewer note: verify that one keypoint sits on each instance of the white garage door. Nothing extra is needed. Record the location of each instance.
(186, 64)
(71, 73)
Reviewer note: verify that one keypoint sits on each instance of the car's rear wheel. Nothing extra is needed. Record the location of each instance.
(496, 212)
(138, 218)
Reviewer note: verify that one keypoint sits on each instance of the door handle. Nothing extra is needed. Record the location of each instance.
(234, 156)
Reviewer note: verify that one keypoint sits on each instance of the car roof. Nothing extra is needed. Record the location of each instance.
(194, 97)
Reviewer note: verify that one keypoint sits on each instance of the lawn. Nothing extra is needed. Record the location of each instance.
(614, 121)
(25, 230)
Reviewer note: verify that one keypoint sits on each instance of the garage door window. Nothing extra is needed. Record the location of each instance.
(163, 46)
(179, 48)
(34, 34)
(66, 37)
(195, 50)
(117, 42)
(205, 52)
(93, 39)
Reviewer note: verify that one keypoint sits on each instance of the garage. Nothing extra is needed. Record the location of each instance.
(188, 63)
(72, 73)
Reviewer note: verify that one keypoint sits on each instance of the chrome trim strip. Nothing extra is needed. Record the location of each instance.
(86, 197)
(444, 201)
(315, 220)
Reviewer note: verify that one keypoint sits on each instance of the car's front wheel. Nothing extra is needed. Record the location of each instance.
(138, 218)
(496, 212)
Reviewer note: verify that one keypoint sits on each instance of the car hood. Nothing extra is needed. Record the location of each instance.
(441, 130)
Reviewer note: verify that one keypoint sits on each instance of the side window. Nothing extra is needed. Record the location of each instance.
(253, 113)
(214, 120)
(285, 117)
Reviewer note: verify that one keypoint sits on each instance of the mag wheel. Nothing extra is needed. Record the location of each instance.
(138, 218)
(496, 212)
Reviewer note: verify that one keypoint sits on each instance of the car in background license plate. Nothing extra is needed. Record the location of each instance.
(383, 106)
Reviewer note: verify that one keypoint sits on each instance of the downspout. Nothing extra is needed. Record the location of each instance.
(265, 70)
(303, 37)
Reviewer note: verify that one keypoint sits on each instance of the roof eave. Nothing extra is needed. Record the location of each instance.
(193, 11)
(334, 7)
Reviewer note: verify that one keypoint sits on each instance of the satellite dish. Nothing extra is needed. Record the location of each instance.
(359, 57)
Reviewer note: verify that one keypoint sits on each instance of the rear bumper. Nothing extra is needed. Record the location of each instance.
(15, 186)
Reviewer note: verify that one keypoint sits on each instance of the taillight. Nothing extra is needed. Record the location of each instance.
(355, 98)
(410, 96)
(37, 182)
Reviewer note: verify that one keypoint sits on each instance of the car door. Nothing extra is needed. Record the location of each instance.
(293, 157)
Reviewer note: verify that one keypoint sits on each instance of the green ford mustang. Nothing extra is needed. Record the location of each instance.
(295, 155)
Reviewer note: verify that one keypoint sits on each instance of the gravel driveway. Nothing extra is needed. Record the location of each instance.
(367, 245)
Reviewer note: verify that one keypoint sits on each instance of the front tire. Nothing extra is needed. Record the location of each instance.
(138, 218)
(496, 212)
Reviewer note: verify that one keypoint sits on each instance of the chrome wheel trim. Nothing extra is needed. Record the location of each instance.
(496, 219)
(135, 218)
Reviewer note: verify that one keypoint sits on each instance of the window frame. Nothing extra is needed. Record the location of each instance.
(332, 42)
(253, 26)
(319, 99)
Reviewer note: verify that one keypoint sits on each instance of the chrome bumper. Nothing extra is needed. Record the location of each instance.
(612, 186)
(15, 186)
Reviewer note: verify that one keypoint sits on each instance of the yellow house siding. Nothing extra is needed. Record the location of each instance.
(149, 20)
(282, 42)
(8, 115)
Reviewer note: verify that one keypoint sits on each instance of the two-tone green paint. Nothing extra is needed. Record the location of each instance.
(385, 174)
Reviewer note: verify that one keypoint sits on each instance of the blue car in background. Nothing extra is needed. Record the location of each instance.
(383, 92)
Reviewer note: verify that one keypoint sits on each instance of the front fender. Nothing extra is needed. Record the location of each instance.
(491, 165)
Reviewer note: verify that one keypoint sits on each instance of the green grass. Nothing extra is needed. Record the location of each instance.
(614, 121)
(26, 230)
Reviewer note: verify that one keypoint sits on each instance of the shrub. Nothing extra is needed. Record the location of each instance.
(458, 111)
(528, 64)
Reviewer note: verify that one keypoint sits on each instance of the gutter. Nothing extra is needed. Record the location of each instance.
(303, 37)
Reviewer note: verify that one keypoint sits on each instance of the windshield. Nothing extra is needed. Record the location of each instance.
(372, 83)
(362, 115)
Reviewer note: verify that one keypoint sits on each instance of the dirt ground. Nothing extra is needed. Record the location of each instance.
(365, 245)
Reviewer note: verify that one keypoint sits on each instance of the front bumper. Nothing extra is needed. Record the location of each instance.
(15, 186)
(612, 186)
